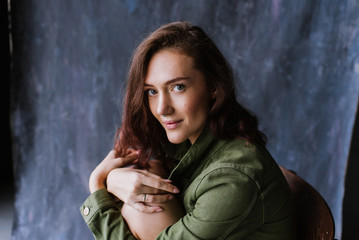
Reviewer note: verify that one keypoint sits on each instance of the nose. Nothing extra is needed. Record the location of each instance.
(164, 106)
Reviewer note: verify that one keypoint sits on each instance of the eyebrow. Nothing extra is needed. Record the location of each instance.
(171, 81)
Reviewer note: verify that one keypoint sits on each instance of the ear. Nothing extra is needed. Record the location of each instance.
(213, 93)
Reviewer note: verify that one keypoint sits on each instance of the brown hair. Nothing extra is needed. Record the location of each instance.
(227, 118)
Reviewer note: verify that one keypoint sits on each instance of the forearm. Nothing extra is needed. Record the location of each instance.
(99, 175)
(147, 226)
(103, 216)
(96, 182)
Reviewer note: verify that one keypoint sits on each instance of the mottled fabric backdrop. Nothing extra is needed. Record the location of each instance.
(296, 66)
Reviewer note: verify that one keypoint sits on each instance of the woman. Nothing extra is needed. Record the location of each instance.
(181, 109)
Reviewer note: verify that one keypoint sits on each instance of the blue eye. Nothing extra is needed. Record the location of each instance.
(151, 92)
(179, 87)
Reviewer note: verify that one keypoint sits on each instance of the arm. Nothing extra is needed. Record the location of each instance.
(102, 212)
(222, 199)
(98, 176)
(148, 225)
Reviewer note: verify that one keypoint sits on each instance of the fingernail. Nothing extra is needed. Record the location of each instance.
(159, 210)
(167, 180)
(170, 197)
(176, 190)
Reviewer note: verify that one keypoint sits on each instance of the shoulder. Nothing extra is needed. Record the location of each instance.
(234, 166)
(242, 160)
(240, 149)
(229, 192)
(241, 155)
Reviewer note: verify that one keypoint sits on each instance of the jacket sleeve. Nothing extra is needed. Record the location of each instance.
(223, 199)
(102, 215)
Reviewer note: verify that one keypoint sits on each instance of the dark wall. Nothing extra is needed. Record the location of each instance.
(296, 63)
(351, 196)
(6, 173)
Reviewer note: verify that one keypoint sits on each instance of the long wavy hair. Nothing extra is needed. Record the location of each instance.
(227, 118)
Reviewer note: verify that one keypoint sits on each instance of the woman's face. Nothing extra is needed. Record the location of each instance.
(177, 94)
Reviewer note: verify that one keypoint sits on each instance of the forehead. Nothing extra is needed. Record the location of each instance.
(169, 64)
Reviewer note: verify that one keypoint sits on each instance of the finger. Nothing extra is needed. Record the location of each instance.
(154, 181)
(150, 190)
(140, 206)
(126, 160)
(132, 155)
(156, 199)
(130, 150)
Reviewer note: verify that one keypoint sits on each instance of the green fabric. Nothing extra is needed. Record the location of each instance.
(230, 190)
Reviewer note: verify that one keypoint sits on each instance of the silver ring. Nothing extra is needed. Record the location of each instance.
(144, 197)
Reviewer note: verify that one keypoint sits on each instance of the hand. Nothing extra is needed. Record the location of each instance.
(132, 185)
(98, 176)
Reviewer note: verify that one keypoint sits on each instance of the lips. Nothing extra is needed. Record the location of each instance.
(172, 124)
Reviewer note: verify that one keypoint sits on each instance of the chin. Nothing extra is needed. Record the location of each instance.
(176, 139)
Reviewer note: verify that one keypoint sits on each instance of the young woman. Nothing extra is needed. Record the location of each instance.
(181, 110)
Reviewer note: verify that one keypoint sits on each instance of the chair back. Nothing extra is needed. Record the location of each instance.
(314, 218)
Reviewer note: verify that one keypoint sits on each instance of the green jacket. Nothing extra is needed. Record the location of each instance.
(229, 189)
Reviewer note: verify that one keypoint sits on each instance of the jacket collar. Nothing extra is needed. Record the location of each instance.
(190, 156)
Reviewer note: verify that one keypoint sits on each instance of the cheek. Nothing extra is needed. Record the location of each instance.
(189, 106)
(152, 105)
(197, 107)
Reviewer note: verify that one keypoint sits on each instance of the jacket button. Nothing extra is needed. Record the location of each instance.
(86, 211)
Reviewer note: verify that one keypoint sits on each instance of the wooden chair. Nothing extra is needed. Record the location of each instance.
(314, 218)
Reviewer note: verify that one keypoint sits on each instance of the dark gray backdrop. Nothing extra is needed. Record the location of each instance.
(297, 68)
